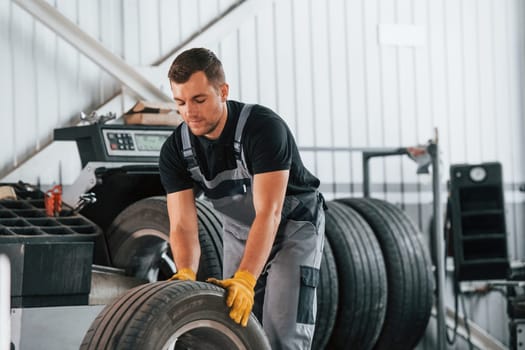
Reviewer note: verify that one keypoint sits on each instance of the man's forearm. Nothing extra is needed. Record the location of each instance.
(259, 243)
(186, 250)
(184, 229)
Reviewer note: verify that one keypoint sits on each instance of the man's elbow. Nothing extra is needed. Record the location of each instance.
(274, 217)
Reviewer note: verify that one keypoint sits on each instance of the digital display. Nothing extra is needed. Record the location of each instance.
(150, 142)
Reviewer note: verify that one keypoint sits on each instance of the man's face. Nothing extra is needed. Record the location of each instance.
(201, 105)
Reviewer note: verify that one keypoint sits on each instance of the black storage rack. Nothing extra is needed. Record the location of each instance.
(51, 257)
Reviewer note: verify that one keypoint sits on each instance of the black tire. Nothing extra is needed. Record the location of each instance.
(327, 299)
(138, 240)
(409, 272)
(362, 279)
(172, 315)
(210, 223)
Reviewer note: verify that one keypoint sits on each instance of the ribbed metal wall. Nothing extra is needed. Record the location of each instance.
(326, 68)
(45, 82)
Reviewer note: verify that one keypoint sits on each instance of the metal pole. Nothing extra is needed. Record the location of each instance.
(366, 175)
(433, 150)
(5, 303)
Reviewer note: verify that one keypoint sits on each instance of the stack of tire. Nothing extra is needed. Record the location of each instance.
(376, 287)
(384, 276)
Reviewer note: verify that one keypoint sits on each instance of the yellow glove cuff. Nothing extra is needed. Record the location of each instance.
(183, 274)
(246, 277)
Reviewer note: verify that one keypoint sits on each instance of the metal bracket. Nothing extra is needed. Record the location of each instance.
(87, 180)
(520, 336)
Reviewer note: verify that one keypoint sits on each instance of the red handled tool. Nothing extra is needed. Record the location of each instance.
(53, 201)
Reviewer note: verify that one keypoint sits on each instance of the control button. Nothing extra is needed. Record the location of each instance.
(114, 146)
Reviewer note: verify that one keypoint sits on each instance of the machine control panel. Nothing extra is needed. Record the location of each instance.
(125, 142)
(116, 142)
(120, 141)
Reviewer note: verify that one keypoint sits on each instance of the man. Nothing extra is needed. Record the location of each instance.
(246, 161)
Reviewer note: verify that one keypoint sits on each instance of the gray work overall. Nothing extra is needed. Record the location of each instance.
(285, 294)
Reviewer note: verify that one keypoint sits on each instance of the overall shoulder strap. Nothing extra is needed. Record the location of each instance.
(243, 117)
(187, 149)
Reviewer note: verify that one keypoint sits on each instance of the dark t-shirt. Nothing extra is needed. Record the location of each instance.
(267, 143)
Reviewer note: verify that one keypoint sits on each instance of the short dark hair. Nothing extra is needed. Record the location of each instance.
(194, 60)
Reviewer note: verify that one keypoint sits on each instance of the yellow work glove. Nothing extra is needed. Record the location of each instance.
(240, 295)
(184, 274)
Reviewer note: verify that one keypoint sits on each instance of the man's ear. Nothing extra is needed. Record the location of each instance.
(224, 91)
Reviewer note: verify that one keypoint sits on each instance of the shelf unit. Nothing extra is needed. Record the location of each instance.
(477, 214)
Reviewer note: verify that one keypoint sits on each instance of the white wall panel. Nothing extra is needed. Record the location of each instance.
(304, 98)
(110, 35)
(321, 77)
(207, 10)
(24, 94)
(322, 90)
(67, 66)
(487, 117)
(131, 31)
(110, 25)
(89, 75)
(247, 52)
(374, 82)
(190, 18)
(265, 64)
(388, 125)
(422, 94)
(503, 125)
(437, 65)
(7, 153)
(284, 63)
(149, 32)
(471, 85)
(169, 20)
(45, 77)
(455, 147)
(357, 62)
(356, 77)
(229, 50)
(337, 66)
(519, 239)
(338, 99)
(514, 107)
